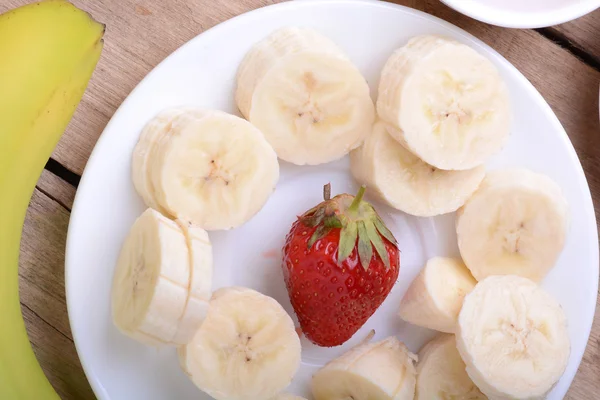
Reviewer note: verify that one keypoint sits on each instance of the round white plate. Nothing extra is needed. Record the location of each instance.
(203, 73)
(524, 13)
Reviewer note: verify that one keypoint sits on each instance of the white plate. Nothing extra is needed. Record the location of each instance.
(202, 72)
(524, 13)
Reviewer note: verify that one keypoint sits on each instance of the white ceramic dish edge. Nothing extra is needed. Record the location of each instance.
(511, 19)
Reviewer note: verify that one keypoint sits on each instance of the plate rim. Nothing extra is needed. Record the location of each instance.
(535, 20)
(291, 5)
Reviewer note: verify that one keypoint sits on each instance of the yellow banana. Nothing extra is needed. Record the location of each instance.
(48, 52)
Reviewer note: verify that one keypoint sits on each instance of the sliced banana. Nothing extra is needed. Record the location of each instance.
(405, 182)
(151, 285)
(435, 297)
(448, 102)
(213, 169)
(512, 335)
(246, 348)
(305, 95)
(515, 223)
(383, 370)
(142, 154)
(441, 373)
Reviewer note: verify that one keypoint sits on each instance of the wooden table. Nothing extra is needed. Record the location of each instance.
(562, 62)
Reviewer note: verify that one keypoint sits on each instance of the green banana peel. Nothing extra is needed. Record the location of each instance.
(48, 52)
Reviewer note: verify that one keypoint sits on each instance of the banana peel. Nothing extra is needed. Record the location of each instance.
(48, 52)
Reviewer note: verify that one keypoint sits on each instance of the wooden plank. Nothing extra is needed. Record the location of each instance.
(41, 264)
(56, 188)
(42, 292)
(586, 384)
(57, 356)
(583, 33)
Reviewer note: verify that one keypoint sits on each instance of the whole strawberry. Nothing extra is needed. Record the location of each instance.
(340, 262)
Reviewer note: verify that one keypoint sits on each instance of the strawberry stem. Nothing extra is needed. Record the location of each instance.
(327, 192)
(357, 199)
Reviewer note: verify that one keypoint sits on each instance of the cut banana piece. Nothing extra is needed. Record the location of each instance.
(383, 370)
(213, 169)
(512, 335)
(515, 223)
(246, 349)
(142, 154)
(305, 95)
(153, 299)
(405, 182)
(435, 297)
(441, 373)
(448, 102)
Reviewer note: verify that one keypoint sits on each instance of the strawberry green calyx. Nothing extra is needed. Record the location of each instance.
(358, 221)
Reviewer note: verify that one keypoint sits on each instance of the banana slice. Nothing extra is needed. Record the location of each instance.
(441, 373)
(512, 336)
(383, 370)
(151, 286)
(515, 223)
(405, 182)
(213, 169)
(142, 154)
(435, 297)
(247, 347)
(305, 95)
(448, 102)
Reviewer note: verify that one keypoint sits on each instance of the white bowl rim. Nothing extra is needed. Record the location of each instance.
(511, 19)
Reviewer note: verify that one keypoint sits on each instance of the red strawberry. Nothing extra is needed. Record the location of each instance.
(340, 262)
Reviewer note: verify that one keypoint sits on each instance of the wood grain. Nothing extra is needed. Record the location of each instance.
(57, 357)
(142, 33)
(42, 292)
(56, 188)
(584, 33)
